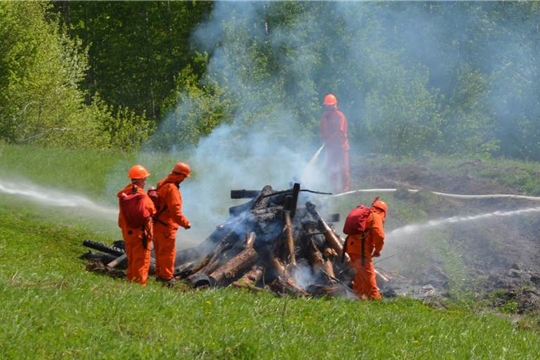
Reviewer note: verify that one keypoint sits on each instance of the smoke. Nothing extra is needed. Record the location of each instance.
(266, 144)
(269, 142)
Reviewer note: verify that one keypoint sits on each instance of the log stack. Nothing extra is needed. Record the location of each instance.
(278, 240)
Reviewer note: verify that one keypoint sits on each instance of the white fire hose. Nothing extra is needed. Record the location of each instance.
(458, 196)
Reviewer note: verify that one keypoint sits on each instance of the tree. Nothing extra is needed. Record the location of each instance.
(136, 49)
(41, 68)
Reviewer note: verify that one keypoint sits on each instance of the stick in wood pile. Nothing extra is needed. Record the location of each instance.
(290, 240)
(250, 278)
(315, 256)
(211, 261)
(284, 283)
(246, 258)
(329, 234)
(286, 286)
(381, 276)
(329, 256)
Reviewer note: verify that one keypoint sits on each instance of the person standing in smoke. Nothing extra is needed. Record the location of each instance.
(333, 133)
(363, 247)
(167, 220)
(138, 233)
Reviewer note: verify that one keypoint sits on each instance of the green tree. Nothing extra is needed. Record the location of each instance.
(136, 49)
(40, 102)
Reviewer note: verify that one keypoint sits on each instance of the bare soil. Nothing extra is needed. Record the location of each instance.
(491, 251)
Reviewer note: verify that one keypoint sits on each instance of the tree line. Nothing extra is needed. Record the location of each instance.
(452, 78)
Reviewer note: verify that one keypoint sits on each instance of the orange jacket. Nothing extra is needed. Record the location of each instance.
(374, 239)
(149, 204)
(170, 196)
(333, 130)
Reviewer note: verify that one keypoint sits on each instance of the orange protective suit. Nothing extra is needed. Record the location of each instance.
(333, 133)
(137, 241)
(365, 281)
(166, 225)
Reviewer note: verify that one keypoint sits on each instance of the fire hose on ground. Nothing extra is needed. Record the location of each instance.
(457, 196)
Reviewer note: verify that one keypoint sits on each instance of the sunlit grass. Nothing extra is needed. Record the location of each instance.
(54, 309)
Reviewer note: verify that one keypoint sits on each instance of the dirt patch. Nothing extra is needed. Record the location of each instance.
(487, 247)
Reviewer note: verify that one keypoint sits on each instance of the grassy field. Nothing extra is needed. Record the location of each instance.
(54, 309)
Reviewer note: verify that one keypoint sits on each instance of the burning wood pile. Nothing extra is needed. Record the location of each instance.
(278, 240)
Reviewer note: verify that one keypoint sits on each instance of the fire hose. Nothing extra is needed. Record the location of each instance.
(458, 196)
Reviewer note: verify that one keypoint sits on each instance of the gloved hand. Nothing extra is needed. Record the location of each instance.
(376, 253)
(188, 226)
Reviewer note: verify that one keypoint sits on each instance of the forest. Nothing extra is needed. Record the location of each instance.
(413, 78)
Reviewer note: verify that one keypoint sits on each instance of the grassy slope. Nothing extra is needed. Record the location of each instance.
(53, 308)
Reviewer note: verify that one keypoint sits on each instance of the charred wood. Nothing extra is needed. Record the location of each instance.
(96, 245)
(244, 194)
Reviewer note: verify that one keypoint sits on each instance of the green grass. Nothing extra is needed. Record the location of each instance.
(52, 308)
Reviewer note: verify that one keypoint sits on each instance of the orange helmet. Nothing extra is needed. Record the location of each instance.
(182, 168)
(138, 172)
(330, 100)
(381, 205)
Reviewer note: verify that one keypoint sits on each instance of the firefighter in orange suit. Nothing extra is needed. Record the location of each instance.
(362, 248)
(333, 133)
(167, 221)
(137, 241)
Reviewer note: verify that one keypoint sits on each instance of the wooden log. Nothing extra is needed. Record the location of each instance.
(250, 278)
(291, 256)
(285, 285)
(329, 234)
(315, 256)
(293, 202)
(264, 214)
(237, 264)
(116, 261)
(262, 200)
(211, 261)
(244, 194)
(329, 256)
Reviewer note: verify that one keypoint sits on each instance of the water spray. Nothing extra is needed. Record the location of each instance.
(408, 229)
(455, 219)
(56, 198)
(311, 163)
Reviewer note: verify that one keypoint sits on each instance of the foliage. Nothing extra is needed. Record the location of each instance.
(136, 48)
(42, 102)
(127, 131)
(451, 78)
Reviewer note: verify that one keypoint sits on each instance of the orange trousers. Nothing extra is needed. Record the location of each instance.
(164, 252)
(138, 258)
(337, 166)
(365, 280)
